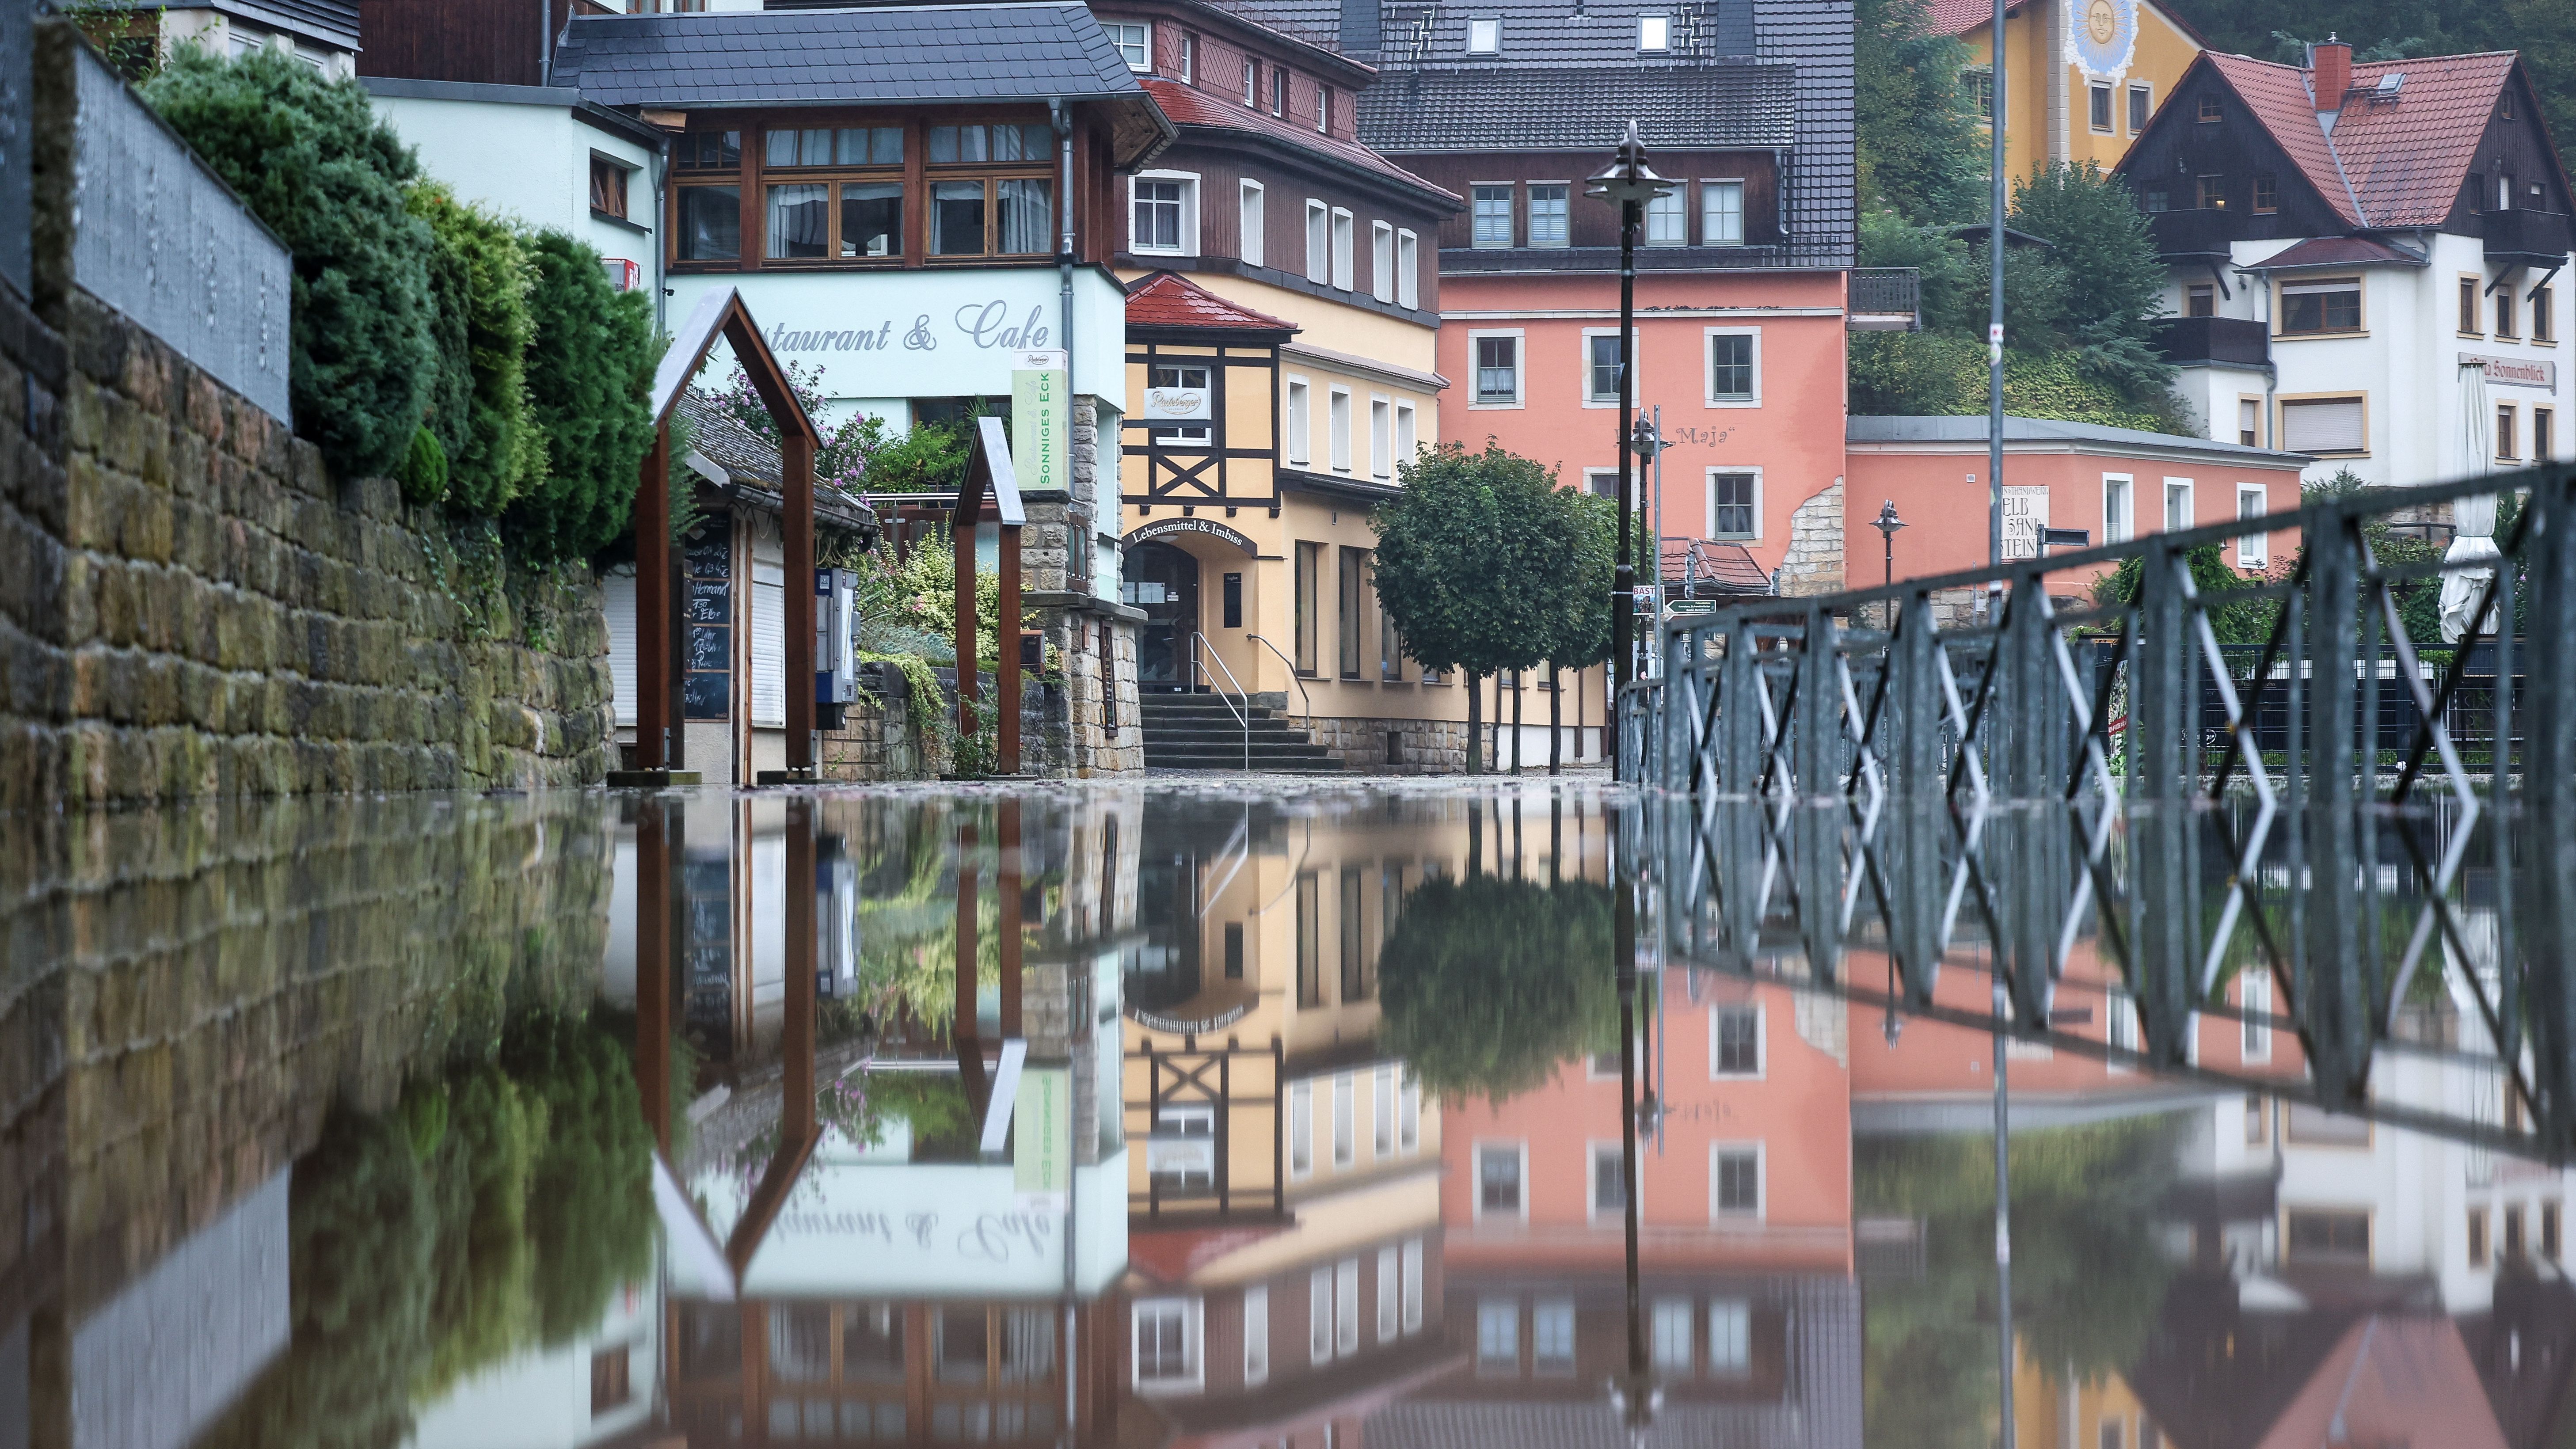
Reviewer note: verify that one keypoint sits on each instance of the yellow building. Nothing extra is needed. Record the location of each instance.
(2081, 76)
(2052, 1405)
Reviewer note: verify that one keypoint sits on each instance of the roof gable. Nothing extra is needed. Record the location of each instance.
(2278, 100)
(1170, 300)
(2407, 158)
(1189, 105)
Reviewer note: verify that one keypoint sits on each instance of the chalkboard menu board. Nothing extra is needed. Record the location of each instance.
(706, 689)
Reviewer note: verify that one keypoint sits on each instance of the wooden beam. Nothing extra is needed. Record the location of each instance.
(1006, 671)
(1007, 882)
(798, 457)
(656, 610)
(961, 536)
(653, 941)
(970, 1051)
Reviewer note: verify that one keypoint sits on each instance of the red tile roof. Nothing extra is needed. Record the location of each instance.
(1188, 105)
(2386, 163)
(1958, 17)
(1168, 299)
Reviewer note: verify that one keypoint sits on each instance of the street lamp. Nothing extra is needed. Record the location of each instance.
(1630, 182)
(1887, 523)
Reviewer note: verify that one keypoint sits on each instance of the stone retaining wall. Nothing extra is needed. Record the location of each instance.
(1422, 746)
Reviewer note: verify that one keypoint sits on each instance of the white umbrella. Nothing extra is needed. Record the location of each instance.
(2473, 544)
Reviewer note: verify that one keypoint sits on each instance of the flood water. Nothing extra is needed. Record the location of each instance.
(1157, 1115)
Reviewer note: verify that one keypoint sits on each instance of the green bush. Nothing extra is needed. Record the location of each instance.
(502, 452)
(590, 379)
(313, 162)
(424, 467)
(451, 387)
(931, 458)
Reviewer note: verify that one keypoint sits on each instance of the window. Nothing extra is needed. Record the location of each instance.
(1735, 1181)
(2256, 1109)
(1234, 929)
(1601, 368)
(1672, 1336)
(1734, 505)
(1381, 457)
(1547, 215)
(2249, 421)
(2316, 1127)
(707, 151)
(1498, 370)
(2118, 524)
(1301, 1129)
(2209, 108)
(2155, 199)
(1181, 377)
(611, 1379)
(1167, 1343)
(2098, 106)
(1382, 1112)
(2504, 193)
(2507, 427)
(1319, 241)
(2477, 1237)
(2543, 316)
(1381, 261)
(2323, 425)
(710, 223)
(1310, 562)
(1338, 428)
(2178, 510)
(607, 187)
(1406, 444)
(1552, 1337)
(1387, 1305)
(1609, 1180)
(1134, 43)
(2253, 551)
(1721, 213)
(2112, 1434)
(1189, 59)
(1668, 219)
(1408, 269)
(1341, 249)
(1324, 110)
(1498, 1336)
(2200, 299)
(1498, 1179)
(1278, 91)
(2504, 312)
(2267, 193)
(2544, 434)
(2469, 306)
(1248, 228)
(1733, 373)
(1485, 37)
(1300, 427)
(1735, 1041)
(799, 222)
(1408, 1116)
(1252, 83)
(2333, 306)
(2142, 104)
(1346, 1306)
(2549, 1231)
(2514, 1245)
(1412, 1284)
(1021, 212)
(1319, 1315)
(2254, 996)
(1654, 32)
(1730, 1336)
(1981, 92)
(1493, 216)
(1161, 206)
(2210, 193)
(1256, 1333)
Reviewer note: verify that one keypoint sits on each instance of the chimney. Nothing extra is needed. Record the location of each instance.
(2330, 71)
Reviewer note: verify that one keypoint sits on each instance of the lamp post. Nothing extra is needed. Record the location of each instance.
(1630, 182)
(1887, 523)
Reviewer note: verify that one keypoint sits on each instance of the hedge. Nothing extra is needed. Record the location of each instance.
(501, 451)
(590, 379)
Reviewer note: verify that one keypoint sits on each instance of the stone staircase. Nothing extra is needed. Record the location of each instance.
(1198, 732)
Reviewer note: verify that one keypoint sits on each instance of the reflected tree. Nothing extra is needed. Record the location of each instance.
(1489, 984)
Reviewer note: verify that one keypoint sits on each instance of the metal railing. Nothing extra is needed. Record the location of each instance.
(1198, 671)
(1299, 680)
(1886, 291)
(2205, 776)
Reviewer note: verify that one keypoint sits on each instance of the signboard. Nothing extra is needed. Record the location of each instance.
(2103, 35)
(1041, 421)
(2025, 521)
(2514, 371)
(899, 334)
(1205, 528)
(1179, 404)
(1041, 1139)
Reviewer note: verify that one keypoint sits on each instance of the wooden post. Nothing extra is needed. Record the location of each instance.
(961, 531)
(803, 1005)
(1006, 672)
(970, 1049)
(796, 456)
(1007, 882)
(656, 609)
(653, 941)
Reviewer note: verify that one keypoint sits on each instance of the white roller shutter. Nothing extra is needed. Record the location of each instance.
(2327, 425)
(618, 591)
(768, 646)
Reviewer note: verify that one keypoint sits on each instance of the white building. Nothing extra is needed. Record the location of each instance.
(2364, 260)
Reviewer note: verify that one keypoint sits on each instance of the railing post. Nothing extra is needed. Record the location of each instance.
(2546, 914)
(2334, 1000)
(1679, 706)
(1739, 712)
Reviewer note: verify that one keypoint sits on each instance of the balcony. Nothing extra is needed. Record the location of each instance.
(2526, 238)
(1885, 299)
(2193, 233)
(2213, 341)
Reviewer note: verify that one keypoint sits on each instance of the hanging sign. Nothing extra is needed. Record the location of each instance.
(1041, 420)
(2514, 371)
(2104, 35)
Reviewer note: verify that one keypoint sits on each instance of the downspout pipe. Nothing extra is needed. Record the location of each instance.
(1061, 116)
(545, 42)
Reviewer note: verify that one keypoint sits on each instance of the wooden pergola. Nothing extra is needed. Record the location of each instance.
(658, 665)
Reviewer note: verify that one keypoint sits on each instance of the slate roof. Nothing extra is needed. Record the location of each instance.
(333, 22)
(728, 444)
(886, 55)
(1191, 106)
(1709, 107)
(1168, 299)
(2386, 163)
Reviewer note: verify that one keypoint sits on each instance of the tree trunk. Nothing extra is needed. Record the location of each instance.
(1555, 720)
(1475, 724)
(1475, 837)
(1517, 693)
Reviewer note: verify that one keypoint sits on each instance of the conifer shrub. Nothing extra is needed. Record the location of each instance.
(500, 450)
(590, 375)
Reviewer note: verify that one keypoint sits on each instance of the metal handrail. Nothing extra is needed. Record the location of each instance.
(1293, 676)
(1240, 718)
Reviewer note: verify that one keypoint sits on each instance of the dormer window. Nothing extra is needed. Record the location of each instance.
(1134, 43)
(1485, 37)
(1189, 60)
(1654, 32)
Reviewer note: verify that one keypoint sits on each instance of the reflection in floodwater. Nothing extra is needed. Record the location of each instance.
(1165, 1117)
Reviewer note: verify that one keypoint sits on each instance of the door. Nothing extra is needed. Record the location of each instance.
(1164, 582)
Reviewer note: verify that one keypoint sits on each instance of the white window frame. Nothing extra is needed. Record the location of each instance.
(1583, 371)
(1761, 1037)
(2128, 98)
(1143, 60)
(1408, 1117)
(1189, 59)
(1319, 1315)
(1709, 502)
(1485, 35)
(1382, 261)
(1708, 367)
(1256, 1334)
(1511, 215)
(1346, 1307)
(1346, 1131)
(1251, 84)
(1560, 1308)
(2110, 108)
(2253, 550)
(1593, 1208)
(1345, 238)
(1654, 34)
(1488, 1305)
(1476, 1168)
(1659, 1315)
(1412, 1286)
(1713, 183)
(1301, 1129)
(1739, 1307)
(1193, 1339)
(2121, 524)
(1381, 435)
(1530, 218)
(1337, 428)
(1520, 367)
(1408, 435)
(1676, 205)
(1408, 270)
(1183, 434)
(1389, 1307)
(1300, 420)
(1761, 1182)
(1250, 201)
(1319, 242)
(2255, 1040)
(1382, 1112)
(2190, 508)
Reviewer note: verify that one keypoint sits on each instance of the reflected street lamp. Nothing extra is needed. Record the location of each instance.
(1630, 182)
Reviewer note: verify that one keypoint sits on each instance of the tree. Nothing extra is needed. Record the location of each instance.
(2105, 249)
(1489, 984)
(498, 451)
(1919, 149)
(590, 382)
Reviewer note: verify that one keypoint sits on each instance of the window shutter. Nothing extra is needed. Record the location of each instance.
(768, 645)
(618, 591)
(2332, 426)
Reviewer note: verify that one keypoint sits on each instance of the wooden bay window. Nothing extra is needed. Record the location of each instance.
(858, 195)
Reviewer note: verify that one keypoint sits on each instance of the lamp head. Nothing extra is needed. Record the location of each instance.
(1887, 523)
(1628, 177)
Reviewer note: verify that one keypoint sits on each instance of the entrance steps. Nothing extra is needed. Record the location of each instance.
(1198, 732)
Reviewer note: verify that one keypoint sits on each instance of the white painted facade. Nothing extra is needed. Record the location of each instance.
(542, 1399)
(2404, 363)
